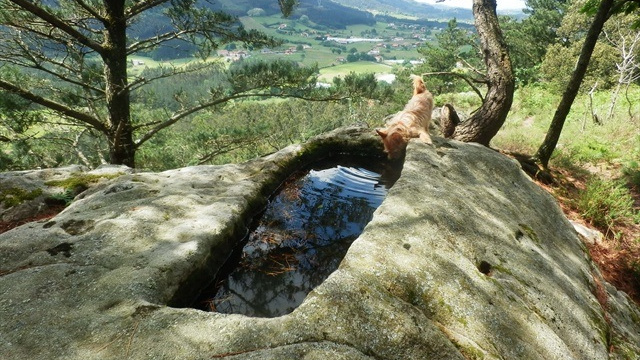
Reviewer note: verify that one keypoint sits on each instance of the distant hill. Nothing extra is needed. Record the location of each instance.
(339, 13)
(408, 7)
(322, 12)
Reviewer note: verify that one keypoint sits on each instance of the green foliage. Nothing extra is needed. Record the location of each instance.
(15, 196)
(626, 7)
(615, 141)
(52, 146)
(529, 39)
(606, 203)
(466, 102)
(453, 45)
(632, 172)
(17, 115)
(66, 197)
(245, 130)
(559, 62)
(591, 150)
(281, 76)
(561, 57)
(79, 64)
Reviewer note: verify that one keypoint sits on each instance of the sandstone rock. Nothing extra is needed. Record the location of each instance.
(41, 181)
(466, 258)
(590, 236)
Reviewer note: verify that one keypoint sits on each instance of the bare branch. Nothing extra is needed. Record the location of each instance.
(463, 77)
(154, 41)
(186, 112)
(76, 148)
(57, 107)
(142, 81)
(142, 6)
(57, 23)
(478, 72)
(37, 65)
(90, 10)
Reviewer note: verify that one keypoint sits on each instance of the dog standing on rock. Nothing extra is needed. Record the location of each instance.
(412, 122)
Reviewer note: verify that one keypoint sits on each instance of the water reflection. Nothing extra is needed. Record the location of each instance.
(302, 236)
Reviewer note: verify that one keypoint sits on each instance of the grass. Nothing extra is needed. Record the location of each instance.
(606, 204)
(615, 141)
(327, 74)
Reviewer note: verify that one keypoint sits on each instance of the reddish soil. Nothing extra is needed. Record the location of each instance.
(618, 256)
(45, 215)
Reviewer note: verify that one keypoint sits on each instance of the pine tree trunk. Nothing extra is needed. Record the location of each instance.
(543, 155)
(120, 133)
(486, 122)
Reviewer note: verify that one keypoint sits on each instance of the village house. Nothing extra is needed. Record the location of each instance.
(231, 56)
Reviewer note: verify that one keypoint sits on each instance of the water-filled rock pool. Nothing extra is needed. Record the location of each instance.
(301, 237)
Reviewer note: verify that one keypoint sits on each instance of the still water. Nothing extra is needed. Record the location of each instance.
(301, 237)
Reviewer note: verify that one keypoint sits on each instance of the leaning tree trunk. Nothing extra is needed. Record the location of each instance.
(553, 135)
(485, 123)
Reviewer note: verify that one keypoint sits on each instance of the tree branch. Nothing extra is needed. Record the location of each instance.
(142, 81)
(142, 6)
(463, 77)
(154, 41)
(57, 23)
(55, 106)
(186, 112)
(90, 10)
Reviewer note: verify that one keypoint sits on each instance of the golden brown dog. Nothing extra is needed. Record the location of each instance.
(412, 122)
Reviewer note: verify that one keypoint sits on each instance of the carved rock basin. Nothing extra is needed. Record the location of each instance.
(302, 236)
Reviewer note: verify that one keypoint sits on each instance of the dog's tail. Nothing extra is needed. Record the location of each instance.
(418, 85)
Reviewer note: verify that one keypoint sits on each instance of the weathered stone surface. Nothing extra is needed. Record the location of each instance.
(28, 181)
(466, 258)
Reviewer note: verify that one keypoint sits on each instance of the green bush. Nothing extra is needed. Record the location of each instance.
(591, 150)
(632, 173)
(606, 203)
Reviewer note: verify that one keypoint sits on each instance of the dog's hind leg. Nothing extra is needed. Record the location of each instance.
(424, 137)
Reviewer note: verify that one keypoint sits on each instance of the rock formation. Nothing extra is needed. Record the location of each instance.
(465, 259)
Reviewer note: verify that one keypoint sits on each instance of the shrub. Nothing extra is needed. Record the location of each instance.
(606, 203)
(591, 150)
(632, 172)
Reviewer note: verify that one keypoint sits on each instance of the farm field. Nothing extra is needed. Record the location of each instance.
(303, 42)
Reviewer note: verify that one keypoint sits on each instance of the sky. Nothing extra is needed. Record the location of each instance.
(502, 4)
